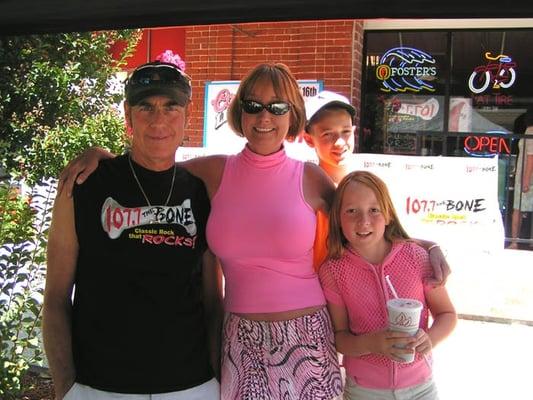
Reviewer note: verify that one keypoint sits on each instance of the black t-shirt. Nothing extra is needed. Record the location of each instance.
(138, 321)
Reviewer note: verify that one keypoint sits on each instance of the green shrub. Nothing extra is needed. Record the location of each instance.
(22, 271)
(55, 101)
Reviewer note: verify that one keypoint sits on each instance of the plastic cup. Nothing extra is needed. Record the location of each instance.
(404, 316)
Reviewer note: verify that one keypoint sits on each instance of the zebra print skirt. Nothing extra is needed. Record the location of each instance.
(281, 360)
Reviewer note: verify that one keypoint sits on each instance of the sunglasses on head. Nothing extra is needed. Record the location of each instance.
(158, 73)
(276, 107)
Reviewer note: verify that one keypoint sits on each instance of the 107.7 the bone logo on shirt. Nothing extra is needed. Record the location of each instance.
(116, 218)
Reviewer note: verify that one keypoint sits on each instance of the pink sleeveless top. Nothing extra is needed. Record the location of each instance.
(262, 230)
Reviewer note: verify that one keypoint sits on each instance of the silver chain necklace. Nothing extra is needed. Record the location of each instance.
(140, 186)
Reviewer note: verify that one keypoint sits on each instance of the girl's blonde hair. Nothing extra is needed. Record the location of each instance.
(286, 88)
(393, 230)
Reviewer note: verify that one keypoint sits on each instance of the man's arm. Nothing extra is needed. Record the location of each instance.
(214, 311)
(528, 172)
(62, 254)
(80, 168)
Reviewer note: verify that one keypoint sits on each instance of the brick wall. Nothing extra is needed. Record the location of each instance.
(313, 50)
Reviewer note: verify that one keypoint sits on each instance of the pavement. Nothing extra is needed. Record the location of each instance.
(496, 285)
(488, 356)
(485, 360)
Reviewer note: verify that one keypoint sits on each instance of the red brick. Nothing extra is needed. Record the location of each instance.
(312, 49)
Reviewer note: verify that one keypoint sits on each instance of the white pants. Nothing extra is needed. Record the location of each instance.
(206, 391)
(424, 391)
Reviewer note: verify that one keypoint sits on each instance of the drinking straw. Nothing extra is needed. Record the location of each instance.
(387, 278)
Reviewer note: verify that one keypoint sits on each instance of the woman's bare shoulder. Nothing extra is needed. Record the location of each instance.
(197, 166)
(318, 187)
(314, 170)
(318, 176)
(209, 169)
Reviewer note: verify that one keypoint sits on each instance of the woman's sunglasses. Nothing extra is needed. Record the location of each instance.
(276, 107)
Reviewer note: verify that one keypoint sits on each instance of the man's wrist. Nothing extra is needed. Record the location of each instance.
(433, 246)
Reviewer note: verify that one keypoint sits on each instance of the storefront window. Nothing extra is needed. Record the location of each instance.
(448, 92)
(405, 87)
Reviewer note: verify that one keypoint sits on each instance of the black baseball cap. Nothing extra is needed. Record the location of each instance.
(158, 79)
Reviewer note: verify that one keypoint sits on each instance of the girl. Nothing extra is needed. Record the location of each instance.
(366, 243)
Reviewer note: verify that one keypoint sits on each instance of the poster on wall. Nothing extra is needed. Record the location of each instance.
(460, 119)
(406, 114)
(220, 139)
(450, 200)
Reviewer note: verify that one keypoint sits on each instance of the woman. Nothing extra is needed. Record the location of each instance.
(277, 337)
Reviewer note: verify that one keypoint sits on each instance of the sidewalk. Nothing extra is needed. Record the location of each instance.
(485, 361)
(497, 285)
(489, 360)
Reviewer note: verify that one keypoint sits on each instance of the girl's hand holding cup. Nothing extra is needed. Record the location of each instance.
(422, 343)
(392, 344)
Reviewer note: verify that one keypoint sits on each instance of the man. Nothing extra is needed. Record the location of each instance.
(523, 195)
(130, 243)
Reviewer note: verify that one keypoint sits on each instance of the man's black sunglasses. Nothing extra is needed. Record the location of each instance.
(158, 73)
(276, 107)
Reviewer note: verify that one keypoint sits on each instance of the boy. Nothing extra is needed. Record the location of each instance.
(330, 131)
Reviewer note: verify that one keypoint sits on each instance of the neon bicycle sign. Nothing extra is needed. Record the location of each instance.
(499, 72)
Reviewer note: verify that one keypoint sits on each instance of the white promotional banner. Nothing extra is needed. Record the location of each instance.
(187, 153)
(450, 200)
(220, 139)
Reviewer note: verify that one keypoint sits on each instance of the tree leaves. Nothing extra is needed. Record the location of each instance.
(50, 84)
(54, 103)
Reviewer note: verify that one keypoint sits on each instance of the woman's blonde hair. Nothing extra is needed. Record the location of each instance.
(393, 230)
(286, 88)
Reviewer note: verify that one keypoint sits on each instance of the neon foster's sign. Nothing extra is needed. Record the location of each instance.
(403, 69)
